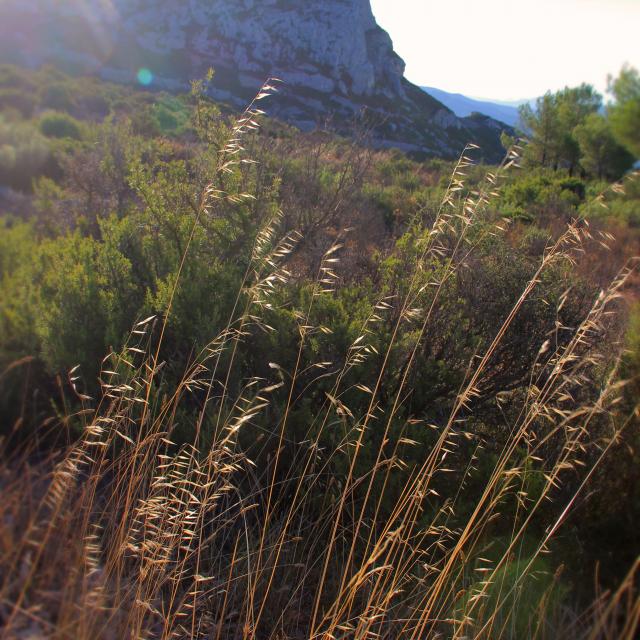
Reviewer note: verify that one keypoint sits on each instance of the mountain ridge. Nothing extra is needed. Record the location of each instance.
(464, 106)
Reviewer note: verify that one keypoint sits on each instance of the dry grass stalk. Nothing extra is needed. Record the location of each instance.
(127, 535)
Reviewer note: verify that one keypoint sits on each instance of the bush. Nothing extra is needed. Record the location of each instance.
(393, 447)
(23, 154)
(171, 116)
(60, 125)
(538, 193)
(84, 302)
(24, 102)
(58, 96)
(521, 602)
(618, 205)
(18, 248)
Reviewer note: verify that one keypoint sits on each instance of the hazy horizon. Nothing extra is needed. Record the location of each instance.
(560, 43)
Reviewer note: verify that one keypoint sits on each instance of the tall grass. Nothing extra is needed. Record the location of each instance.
(126, 534)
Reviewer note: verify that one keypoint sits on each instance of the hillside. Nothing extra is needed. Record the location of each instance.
(261, 381)
(333, 59)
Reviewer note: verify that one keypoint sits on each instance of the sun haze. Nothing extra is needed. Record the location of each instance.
(512, 49)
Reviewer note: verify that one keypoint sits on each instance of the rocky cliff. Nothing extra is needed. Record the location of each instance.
(333, 58)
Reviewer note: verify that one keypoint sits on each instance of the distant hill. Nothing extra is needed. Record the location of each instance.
(463, 106)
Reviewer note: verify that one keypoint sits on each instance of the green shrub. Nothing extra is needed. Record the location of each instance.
(23, 154)
(60, 125)
(18, 247)
(620, 205)
(171, 116)
(58, 96)
(537, 192)
(24, 102)
(84, 302)
(523, 598)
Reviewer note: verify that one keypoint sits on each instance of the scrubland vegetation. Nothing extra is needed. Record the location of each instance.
(256, 383)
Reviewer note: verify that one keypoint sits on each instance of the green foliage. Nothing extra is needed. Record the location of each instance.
(120, 230)
(24, 153)
(507, 141)
(631, 364)
(552, 124)
(396, 204)
(600, 155)
(85, 302)
(58, 95)
(17, 100)
(207, 120)
(624, 114)
(523, 598)
(620, 205)
(17, 91)
(532, 194)
(60, 125)
(567, 130)
(171, 116)
(18, 310)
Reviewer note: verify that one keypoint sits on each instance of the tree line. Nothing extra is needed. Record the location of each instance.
(573, 129)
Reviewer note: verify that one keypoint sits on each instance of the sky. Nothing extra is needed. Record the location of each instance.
(512, 49)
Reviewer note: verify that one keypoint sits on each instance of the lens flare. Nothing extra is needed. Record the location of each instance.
(145, 77)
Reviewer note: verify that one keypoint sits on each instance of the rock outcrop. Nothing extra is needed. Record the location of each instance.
(333, 58)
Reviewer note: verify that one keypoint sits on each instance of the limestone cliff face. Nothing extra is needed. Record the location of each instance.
(327, 46)
(330, 46)
(332, 56)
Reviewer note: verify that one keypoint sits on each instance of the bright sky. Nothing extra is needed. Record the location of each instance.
(512, 49)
